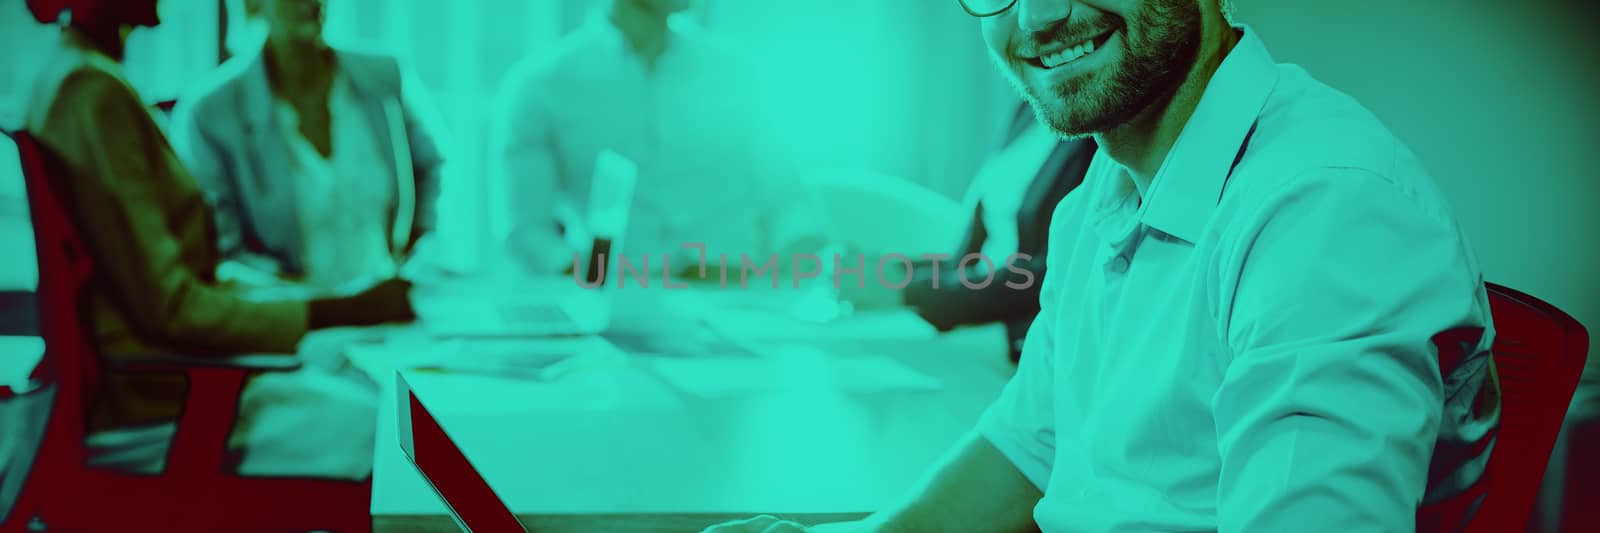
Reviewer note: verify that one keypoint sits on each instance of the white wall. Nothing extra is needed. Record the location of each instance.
(460, 52)
(24, 42)
(160, 62)
(898, 87)
(1498, 99)
(1493, 95)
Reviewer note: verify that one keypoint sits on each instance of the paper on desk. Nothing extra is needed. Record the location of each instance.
(791, 369)
(694, 341)
(595, 388)
(542, 359)
(885, 324)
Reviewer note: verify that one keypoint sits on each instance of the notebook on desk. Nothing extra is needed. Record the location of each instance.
(472, 503)
(544, 359)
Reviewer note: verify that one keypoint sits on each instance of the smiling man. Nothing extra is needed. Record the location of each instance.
(1259, 315)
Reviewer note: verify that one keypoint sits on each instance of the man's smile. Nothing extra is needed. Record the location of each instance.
(1061, 52)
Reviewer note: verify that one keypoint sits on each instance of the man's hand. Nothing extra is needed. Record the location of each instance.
(759, 524)
(772, 524)
(540, 253)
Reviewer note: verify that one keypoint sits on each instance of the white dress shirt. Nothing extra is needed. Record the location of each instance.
(689, 123)
(1250, 348)
(345, 200)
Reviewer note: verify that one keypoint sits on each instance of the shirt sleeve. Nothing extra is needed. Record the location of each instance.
(1021, 422)
(125, 171)
(207, 162)
(1330, 407)
(429, 144)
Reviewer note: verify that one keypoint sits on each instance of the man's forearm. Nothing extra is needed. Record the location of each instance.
(954, 304)
(973, 489)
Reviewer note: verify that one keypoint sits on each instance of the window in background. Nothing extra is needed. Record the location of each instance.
(160, 63)
(18, 31)
(165, 61)
(898, 87)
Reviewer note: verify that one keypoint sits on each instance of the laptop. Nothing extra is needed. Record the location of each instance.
(472, 503)
(566, 307)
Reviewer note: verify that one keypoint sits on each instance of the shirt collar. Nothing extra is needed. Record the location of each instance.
(614, 45)
(610, 39)
(1189, 184)
(257, 88)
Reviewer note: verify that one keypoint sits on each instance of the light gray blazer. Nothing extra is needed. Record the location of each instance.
(228, 135)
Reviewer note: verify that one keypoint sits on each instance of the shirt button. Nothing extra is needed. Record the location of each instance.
(1119, 264)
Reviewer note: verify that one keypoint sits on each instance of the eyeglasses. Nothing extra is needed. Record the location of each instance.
(986, 8)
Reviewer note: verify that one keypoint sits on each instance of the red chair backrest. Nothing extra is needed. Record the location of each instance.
(1539, 352)
(58, 479)
(65, 269)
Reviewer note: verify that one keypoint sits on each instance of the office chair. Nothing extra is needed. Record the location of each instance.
(1539, 352)
(197, 491)
(1580, 483)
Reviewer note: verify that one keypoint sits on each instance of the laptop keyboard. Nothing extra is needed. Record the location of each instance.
(534, 314)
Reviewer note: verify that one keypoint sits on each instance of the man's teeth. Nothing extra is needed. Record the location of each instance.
(1069, 55)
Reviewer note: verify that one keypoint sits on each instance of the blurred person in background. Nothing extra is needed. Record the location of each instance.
(320, 164)
(638, 79)
(145, 221)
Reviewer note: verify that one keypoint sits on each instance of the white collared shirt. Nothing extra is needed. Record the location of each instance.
(1251, 347)
(703, 175)
(344, 200)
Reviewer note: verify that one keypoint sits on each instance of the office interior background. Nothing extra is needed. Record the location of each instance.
(1496, 97)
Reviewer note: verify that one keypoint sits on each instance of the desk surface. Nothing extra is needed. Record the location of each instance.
(627, 446)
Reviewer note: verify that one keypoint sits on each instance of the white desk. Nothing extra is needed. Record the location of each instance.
(623, 446)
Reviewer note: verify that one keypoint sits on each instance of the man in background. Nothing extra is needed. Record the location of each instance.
(636, 79)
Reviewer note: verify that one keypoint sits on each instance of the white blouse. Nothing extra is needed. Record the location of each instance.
(345, 200)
